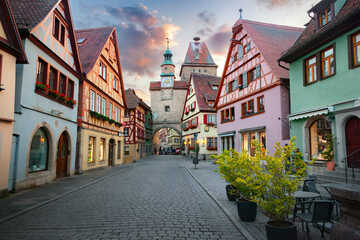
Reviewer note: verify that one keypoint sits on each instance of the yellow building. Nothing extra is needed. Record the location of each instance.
(199, 115)
(173, 139)
(11, 52)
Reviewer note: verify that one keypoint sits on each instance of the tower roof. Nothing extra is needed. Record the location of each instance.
(167, 58)
(198, 54)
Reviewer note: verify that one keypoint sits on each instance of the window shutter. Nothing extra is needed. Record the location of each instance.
(205, 119)
(258, 71)
(240, 52)
(236, 83)
(245, 80)
(226, 88)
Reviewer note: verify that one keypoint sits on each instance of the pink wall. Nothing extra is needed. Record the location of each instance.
(276, 106)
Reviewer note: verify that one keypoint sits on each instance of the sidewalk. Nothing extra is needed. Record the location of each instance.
(19, 203)
(215, 186)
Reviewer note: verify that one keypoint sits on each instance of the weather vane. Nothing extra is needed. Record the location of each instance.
(167, 42)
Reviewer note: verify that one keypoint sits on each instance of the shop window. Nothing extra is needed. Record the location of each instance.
(39, 151)
(319, 133)
(102, 149)
(91, 150)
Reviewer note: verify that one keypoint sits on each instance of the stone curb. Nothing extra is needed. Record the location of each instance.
(234, 221)
(97, 180)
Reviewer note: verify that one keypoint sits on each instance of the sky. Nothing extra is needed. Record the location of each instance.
(144, 25)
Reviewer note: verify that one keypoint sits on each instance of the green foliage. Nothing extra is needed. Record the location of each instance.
(197, 148)
(328, 152)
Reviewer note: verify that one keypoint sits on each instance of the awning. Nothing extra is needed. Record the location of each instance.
(309, 114)
(227, 134)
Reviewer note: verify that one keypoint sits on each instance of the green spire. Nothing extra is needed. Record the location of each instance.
(167, 55)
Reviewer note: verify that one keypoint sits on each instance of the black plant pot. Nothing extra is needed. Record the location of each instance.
(246, 210)
(230, 192)
(276, 230)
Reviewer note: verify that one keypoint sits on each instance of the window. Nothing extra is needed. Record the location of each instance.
(240, 52)
(126, 149)
(228, 115)
(355, 50)
(241, 85)
(53, 78)
(250, 106)
(59, 31)
(126, 132)
(228, 143)
(245, 142)
(167, 108)
(102, 149)
(211, 143)
(98, 103)
(248, 47)
(39, 151)
(254, 73)
(262, 139)
(327, 62)
(103, 108)
(231, 86)
(62, 84)
(91, 150)
(325, 17)
(311, 70)
(42, 71)
(211, 119)
(116, 84)
(0, 70)
(260, 104)
(119, 150)
(70, 89)
(92, 100)
(110, 110)
(319, 133)
(248, 137)
(127, 113)
(102, 70)
(245, 79)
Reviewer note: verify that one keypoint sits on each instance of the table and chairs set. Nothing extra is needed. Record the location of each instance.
(312, 207)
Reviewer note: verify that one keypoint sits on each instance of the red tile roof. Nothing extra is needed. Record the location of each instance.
(203, 89)
(346, 19)
(29, 13)
(272, 40)
(177, 85)
(94, 42)
(133, 100)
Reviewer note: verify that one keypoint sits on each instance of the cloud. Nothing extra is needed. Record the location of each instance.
(208, 21)
(219, 40)
(278, 3)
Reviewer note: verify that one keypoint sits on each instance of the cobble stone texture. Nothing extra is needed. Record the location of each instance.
(157, 199)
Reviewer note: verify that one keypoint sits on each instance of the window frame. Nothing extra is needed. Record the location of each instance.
(306, 69)
(352, 50)
(258, 104)
(1, 58)
(44, 131)
(326, 12)
(58, 32)
(93, 159)
(102, 70)
(322, 60)
(92, 103)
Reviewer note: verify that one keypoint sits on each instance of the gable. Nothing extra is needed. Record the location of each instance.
(56, 32)
(109, 52)
(2, 32)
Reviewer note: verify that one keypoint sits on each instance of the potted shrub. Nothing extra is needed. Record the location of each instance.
(328, 152)
(279, 185)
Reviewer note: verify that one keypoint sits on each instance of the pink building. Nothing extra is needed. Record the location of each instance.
(253, 98)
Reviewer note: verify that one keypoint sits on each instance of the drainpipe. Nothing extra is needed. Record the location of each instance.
(16, 156)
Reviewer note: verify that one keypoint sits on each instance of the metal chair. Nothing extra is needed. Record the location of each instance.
(310, 186)
(321, 213)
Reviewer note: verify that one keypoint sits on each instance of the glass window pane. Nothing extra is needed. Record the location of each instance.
(62, 84)
(91, 150)
(39, 151)
(357, 54)
(70, 90)
(53, 78)
(245, 142)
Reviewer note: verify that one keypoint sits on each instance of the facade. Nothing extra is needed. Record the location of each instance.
(148, 133)
(197, 60)
(173, 139)
(253, 98)
(136, 135)
(11, 52)
(101, 100)
(324, 74)
(199, 122)
(45, 128)
(167, 97)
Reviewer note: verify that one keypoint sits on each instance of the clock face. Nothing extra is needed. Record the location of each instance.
(166, 82)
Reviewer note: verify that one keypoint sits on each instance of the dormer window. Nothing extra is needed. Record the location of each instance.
(325, 17)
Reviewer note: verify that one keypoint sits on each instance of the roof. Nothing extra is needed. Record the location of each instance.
(346, 19)
(272, 40)
(198, 54)
(29, 13)
(203, 89)
(133, 100)
(177, 85)
(90, 50)
(13, 45)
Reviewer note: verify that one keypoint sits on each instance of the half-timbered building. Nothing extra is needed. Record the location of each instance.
(135, 131)
(253, 99)
(101, 99)
(11, 52)
(199, 115)
(45, 127)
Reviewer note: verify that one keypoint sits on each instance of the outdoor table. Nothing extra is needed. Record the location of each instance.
(303, 197)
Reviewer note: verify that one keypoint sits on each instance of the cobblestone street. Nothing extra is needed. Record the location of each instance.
(156, 199)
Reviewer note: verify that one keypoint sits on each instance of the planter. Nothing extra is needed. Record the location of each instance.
(276, 230)
(330, 165)
(246, 210)
(230, 193)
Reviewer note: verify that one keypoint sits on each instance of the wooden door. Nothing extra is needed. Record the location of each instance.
(353, 142)
(62, 156)
(111, 152)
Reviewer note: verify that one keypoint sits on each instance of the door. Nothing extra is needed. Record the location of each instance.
(111, 152)
(62, 156)
(353, 142)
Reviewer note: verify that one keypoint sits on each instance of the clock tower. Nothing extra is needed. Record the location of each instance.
(167, 70)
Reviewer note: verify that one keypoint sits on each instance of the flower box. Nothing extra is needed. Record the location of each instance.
(193, 126)
(53, 93)
(41, 86)
(71, 102)
(212, 148)
(62, 97)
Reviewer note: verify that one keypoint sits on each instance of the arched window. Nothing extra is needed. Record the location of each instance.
(319, 133)
(39, 151)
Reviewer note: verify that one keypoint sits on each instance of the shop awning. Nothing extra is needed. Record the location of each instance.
(309, 114)
(227, 134)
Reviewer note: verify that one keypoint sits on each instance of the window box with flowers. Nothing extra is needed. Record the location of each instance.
(71, 102)
(212, 148)
(191, 148)
(53, 93)
(42, 86)
(62, 97)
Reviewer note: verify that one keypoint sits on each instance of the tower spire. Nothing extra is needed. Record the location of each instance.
(167, 42)
(240, 11)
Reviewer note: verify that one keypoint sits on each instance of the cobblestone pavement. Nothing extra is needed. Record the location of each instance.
(156, 199)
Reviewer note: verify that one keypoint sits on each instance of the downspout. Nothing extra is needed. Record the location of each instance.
(16, 156)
